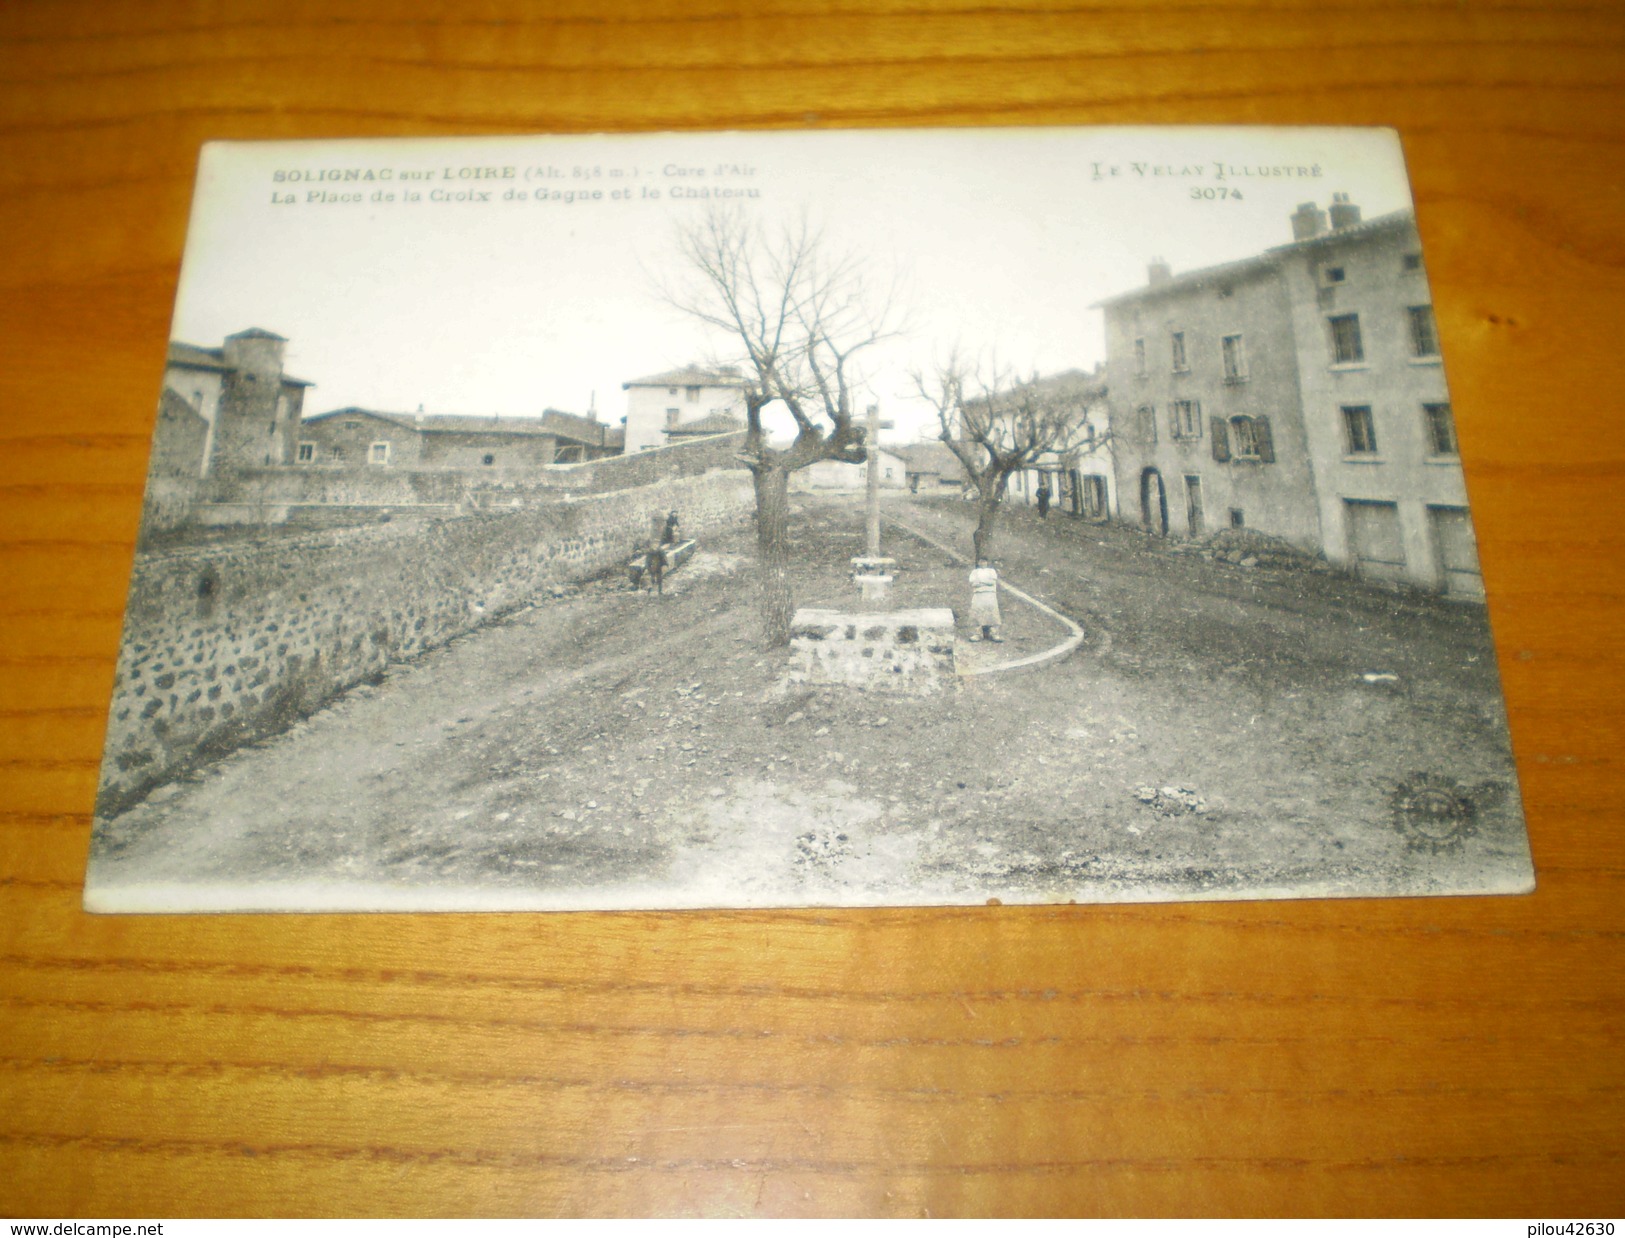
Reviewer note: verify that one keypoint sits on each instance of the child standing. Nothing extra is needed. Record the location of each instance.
(984, 602)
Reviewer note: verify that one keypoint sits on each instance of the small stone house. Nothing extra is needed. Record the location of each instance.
(365, 438)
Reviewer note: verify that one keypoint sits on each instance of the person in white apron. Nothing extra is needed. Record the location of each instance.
(984, 602)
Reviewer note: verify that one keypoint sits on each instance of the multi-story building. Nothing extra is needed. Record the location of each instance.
(661, 407)
(1299, 393)
(240, 409)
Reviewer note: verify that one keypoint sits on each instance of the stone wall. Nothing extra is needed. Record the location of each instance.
(904, 651)
(224, 644)
(362, 486)
(717, 451)
(357, 486)
(169, 503)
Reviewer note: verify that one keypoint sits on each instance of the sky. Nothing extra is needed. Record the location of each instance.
(541, 295)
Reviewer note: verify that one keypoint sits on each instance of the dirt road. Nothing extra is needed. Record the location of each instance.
(1216, 734)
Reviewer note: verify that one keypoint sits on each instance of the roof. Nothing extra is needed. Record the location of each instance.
(577, 429)
(928, 458)
(711, 423)
(193, 357)
(257, 333)
(452, 423)
(1202, 276)
(692, 376)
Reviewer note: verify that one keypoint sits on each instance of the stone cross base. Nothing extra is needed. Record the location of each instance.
(898, 651)
(873, 576)
(863, 566)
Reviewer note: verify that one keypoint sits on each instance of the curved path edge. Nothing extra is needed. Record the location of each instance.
(1034, 659)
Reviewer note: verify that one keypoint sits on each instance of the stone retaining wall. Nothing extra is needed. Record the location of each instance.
(226, 643)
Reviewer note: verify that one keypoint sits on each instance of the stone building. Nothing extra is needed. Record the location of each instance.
(931, 468)
(1299, 393)
(365, 438)
(1080, 476)
(247, 406)
(660, 407)
(843, 475)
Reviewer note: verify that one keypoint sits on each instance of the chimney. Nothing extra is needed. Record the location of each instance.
(1158, 272)
(1344, 213)
(1308, 221)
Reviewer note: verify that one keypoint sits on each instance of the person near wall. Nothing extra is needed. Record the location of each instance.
(673, 532)
(654, 559)
(635, 564)
(1043, 499)
(984, 602)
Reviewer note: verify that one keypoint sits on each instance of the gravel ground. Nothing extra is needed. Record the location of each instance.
(1218, 734)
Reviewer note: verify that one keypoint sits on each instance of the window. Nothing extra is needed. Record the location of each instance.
(671, 390)
(1359, 431)
(488, 459)
(1334, 275)
(1238, 518)
(378, 453)
(672, 414)
(307, 453)
(1185, 419)
(1346, 346)
(1441, 429)
(693, 395)
(1413, 262)
(1180, 365)
(1243, 437)
(1424, 339)
(1139, 357)
(1145, 424)
(1235, 360)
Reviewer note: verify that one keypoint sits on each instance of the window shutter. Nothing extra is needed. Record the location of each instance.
(1221, 439)
(1266, 444)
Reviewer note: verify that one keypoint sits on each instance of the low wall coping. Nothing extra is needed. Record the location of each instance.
(933, 617)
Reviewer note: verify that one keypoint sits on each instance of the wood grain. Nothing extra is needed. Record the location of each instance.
(1455, 1056)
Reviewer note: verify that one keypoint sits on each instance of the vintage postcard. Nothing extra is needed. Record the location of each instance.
(805, 519)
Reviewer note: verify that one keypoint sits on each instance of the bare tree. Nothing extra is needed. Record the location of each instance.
(997, 425)
(802, 314)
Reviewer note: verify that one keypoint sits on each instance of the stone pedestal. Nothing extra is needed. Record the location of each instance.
(877, 565)
(873, 577)
(909, 651)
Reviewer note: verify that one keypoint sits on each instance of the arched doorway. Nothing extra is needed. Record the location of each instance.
(1153, 503)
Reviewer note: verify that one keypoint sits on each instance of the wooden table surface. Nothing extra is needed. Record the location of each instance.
(1455, 1056)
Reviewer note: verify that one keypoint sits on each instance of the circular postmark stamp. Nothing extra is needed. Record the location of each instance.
(1436, 814)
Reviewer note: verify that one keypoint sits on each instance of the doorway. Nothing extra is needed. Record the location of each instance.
(1193, 504)
(1153, 503)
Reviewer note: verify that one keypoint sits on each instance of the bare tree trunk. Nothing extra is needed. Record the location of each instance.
(773, 552)
(989, 493)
